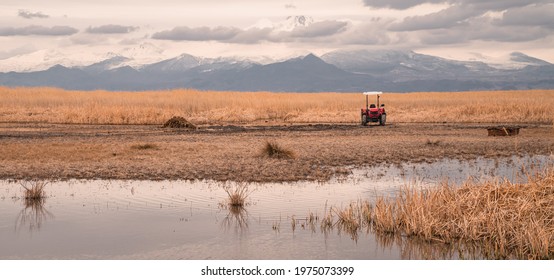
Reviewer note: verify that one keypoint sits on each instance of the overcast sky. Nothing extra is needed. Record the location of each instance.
(449, 28)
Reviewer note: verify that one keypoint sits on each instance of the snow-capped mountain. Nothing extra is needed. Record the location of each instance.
(179, 63)
(135, 56)
(514, 60)
(113, 62)
(348, 70)
(407, 64)
(142, 54)
(44, 59)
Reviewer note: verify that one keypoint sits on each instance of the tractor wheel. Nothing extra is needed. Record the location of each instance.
(383, 120)
(364, 119)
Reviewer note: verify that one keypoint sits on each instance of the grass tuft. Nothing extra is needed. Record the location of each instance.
(273, 149)
(430, 142)
(146, 146)
(34, 190)
(237, 195)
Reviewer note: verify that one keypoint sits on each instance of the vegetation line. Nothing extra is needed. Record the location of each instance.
(505, 220)
(51, 105)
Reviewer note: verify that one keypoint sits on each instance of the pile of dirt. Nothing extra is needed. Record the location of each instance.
(503, 131)
(179, 122)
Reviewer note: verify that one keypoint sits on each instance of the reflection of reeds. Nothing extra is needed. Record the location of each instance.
(236, 218)
(327, 222)
(235, 204)
(33, 214)
(276, 226)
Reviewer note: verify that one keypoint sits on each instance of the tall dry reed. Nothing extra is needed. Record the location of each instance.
(507, 220)
(211, 107)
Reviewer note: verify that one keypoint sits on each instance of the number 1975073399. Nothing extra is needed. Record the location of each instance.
(324, 270)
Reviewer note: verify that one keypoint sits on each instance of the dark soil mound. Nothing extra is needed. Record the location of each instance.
(179, 122)
(503, 131)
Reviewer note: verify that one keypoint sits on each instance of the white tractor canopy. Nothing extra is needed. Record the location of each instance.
(373, 92)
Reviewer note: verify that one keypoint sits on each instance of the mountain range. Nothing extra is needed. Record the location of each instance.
(337, 71)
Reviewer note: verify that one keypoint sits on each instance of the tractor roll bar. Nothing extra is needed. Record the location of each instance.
(367, 94)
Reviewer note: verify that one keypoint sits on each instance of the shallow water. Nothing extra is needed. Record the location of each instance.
(185, 220)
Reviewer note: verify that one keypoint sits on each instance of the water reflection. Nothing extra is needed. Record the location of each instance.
(236, 219)
(33, 215)
(278, 221)
(416, 248)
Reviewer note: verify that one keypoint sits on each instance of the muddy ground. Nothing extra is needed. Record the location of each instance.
(230, 152)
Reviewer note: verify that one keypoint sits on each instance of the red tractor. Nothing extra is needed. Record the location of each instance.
(372, 113)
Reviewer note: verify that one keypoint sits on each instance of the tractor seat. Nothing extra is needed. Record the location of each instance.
(372, 106)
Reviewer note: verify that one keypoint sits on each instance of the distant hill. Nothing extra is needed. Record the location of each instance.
(339, 71)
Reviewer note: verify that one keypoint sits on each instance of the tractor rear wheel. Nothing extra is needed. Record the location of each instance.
(383, 120)
(364, 119)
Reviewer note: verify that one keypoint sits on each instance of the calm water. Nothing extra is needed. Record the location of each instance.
(185, 220)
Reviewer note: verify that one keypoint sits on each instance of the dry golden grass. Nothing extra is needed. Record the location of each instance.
(236, 195)
(210, 107)
(272, 149)
(494, 220)
(146, 146)
(508, 220)
(34, 190)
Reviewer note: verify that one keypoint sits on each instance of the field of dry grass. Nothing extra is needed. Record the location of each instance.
(50, 105)
(500, 219)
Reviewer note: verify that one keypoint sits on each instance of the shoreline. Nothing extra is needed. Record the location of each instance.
(232, 152)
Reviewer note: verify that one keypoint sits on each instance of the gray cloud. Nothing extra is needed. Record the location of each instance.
(481, 29)
(462, 11)
(319, 29)
(373, 32)
(184, 33)
(483, 5)
(489, 32)
(17, 51)
(38, 30)
(29, 15)
(111, 29)
(446, 18)
(252, 35)
(535, 15)
(398, 4)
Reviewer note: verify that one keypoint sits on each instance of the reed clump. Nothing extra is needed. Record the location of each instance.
(237, 195)
(146, 146)
(272, 149)
(34, 190)
(507, 220)
(494, 220)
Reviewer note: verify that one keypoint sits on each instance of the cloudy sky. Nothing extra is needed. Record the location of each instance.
(458, 29)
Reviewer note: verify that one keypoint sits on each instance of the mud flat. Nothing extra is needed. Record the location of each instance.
(222, 153)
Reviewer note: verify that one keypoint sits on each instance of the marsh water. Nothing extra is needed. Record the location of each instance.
(100, 219)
